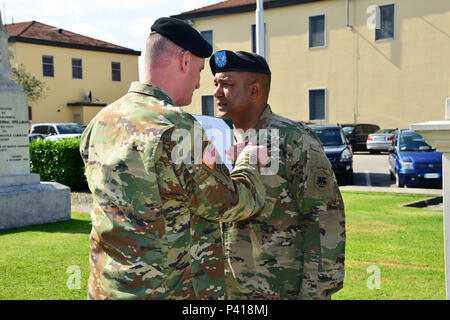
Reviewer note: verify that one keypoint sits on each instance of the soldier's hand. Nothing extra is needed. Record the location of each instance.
(260, 152)
(234, 151)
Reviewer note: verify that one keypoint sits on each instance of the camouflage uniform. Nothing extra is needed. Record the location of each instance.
(155, 222)
(294, 248)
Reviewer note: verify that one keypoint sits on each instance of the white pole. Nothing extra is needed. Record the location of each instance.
(445, 182)
(260, 28)
(1, 22)
(446, 201)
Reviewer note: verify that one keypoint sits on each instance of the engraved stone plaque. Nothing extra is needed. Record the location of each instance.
(14, 145)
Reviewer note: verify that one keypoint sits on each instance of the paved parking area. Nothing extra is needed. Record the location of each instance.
(372, 170)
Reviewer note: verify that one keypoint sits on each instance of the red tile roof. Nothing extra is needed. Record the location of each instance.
(36, 32)
(225, 4)
(236, 6)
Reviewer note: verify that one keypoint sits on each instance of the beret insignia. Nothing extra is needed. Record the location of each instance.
(220, 58)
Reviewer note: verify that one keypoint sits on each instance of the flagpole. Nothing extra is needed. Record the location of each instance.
(260, 28)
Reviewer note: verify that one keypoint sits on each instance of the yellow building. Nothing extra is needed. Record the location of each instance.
(82, 74)
(385, 62)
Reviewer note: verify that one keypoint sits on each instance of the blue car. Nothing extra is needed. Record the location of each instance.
(338, 151)
(414, 163)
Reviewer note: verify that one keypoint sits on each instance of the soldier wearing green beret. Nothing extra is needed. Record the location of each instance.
(156, 212)
(295, 247)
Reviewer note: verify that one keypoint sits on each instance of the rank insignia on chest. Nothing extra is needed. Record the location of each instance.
(220, 58)
(209, 156)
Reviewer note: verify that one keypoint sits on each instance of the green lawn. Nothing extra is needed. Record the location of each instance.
(405, 244)
(34, 260)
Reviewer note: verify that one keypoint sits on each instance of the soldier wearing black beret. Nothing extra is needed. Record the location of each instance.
(183, 35)
(280, 253)
(160, 188)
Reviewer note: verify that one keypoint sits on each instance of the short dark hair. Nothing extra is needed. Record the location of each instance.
(159, 47)
(264, 79)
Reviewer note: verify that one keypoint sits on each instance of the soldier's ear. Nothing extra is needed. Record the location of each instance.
(255, 89)
(185, 61)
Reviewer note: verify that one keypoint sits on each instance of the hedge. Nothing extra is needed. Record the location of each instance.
(58, 161)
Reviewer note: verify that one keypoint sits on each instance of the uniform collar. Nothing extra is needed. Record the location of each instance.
(264, 118)
(260, 124)
(150, 90)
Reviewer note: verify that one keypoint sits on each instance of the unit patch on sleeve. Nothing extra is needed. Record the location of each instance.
(210, 154)
(321, 179)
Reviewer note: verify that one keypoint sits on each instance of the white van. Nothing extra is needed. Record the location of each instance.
(57, 131)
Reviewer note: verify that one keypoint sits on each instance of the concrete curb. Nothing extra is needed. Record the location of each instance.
(436, 192)
(434, 201)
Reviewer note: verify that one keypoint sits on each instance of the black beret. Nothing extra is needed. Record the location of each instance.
(183, 35)
(223, 61)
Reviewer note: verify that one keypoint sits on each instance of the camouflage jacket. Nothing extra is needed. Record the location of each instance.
(155, 219)
(294, 248)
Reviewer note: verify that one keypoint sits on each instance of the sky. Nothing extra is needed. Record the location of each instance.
(125, 23)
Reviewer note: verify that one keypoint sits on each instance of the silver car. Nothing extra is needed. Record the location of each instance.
(380, 140)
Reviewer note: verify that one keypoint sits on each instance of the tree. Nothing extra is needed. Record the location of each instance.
(35, 88)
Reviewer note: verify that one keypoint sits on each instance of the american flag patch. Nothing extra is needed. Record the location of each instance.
(209, 157)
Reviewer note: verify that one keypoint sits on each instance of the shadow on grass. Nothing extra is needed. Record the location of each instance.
(73, 226)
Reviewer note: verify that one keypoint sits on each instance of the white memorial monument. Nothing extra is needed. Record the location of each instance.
(437, 134)
(24, 200)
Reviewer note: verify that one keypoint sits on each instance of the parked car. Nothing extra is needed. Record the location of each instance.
(62, 137)
(338, 151)
(57, 130)
(412, 162)
(35, 136)
(357, 134)
(380, 140)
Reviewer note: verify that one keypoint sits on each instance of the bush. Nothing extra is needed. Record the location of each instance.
(58, 161)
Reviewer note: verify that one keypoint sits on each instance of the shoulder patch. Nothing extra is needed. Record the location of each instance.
(210, 155)
(321, 179)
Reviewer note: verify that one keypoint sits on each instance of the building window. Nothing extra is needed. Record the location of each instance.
(253, 31)
(208, 36)
(317, 105)
(116, 73)
(48, 67)
(77, 69)
(317, 31)
(385, 22)
(208, 105)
